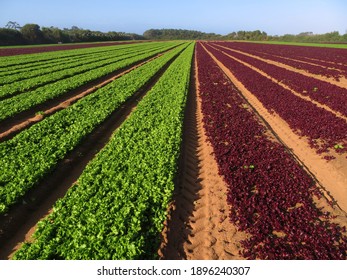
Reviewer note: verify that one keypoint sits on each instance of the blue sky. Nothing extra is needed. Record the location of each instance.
(218, 16)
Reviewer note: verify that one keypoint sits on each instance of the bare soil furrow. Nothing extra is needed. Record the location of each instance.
(318, 104)
(330, 175)
(198, 226)
(20, 222)
(342, 83)
(324, 61)
(313, 62)
(9, 128)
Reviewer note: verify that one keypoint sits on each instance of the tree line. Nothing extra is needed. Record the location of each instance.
(13, 34)
(257, 35)
(309, 37)
(170, 34)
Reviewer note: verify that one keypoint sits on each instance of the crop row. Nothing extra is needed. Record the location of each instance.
(21, 66)
(307, 66)
(329, 134)
(270, 196)
(30, 70)
(38, 58)
(33, 50)
(325, 93)
(10, 107)
(71, 70)
(117, 207)
(329, 57)
(33, 153)
(64, 63)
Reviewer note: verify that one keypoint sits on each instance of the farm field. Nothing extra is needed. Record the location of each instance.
(31, 49)
(174, 150)
(326, 45)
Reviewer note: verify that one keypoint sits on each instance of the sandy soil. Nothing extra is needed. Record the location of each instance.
(307, 98)
(342, 83)
(25, 120)
(198, 227)
(331, 176)
(20, 222)
(315, 60)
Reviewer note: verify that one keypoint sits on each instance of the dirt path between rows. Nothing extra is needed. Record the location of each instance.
(331, 176)
(45, 49)
(9, 128)
(307, 98)
(198, 227)
(20, 222)
(342, 83)
(316, 63)
(316, 60)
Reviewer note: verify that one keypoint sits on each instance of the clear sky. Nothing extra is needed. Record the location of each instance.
(276, 17)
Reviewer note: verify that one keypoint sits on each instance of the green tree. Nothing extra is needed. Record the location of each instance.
(10, 37)
(32, 33)
(53, 35)
(13, 25)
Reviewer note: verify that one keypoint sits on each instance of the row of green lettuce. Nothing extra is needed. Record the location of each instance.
(32, 154)
(50, 59)
(19, 103)
(18, 61)
(77, 66)
(117, 207)
(57, 69)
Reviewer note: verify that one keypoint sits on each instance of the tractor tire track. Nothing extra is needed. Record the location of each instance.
(198, 227)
